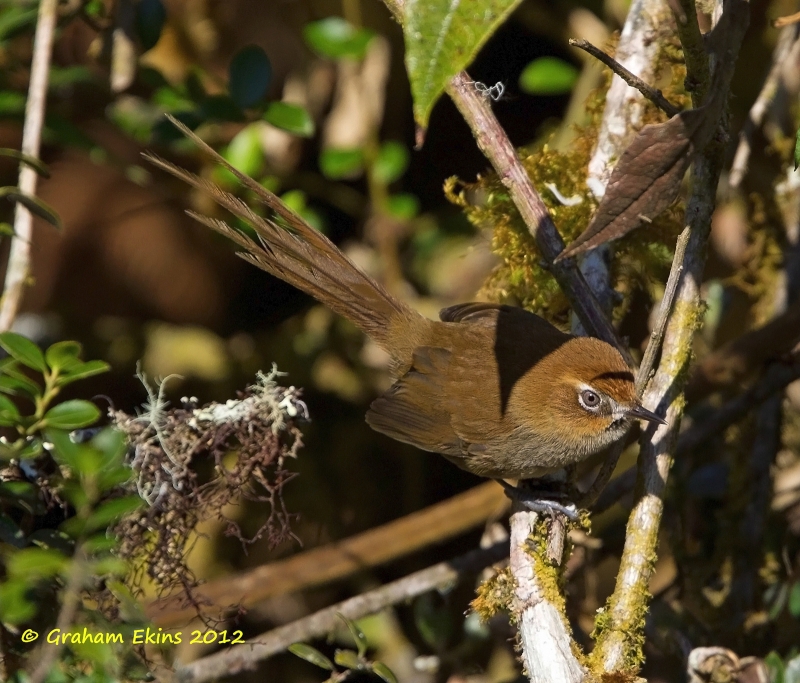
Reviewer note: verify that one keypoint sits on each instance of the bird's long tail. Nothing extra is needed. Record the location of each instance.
(292, 250)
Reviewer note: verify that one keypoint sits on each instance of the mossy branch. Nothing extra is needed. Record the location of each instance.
(495, 145)
(698, 73)
(620, 632)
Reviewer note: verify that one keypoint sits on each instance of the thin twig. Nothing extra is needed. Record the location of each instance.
(631, 79)
(19, 256)
(240, 657)
(660, 326)
(780, 22)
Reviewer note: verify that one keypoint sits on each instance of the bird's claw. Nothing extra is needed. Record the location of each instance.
(531, 501)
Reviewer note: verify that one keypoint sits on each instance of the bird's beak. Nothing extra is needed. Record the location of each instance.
(643, 413)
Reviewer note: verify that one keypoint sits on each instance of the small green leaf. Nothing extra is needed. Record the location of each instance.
(82, 371)
(16, 19)
(26, 159)
(72, 414)
(15, 607)
(150, 18)
(12, 103)
(794, 600)
(391, 163)
(442, 37)
(347, 658)
(19, 386)
(337, 163)
(9, 414)
(24, 350)
(780, 602)
(797, 150)
(358, 635)
(249, 76)
(63, 354)
(100, 543)
(548, 76)
(380, 669)
(311, 655)
(335, 38)
(403, 206)
(245, 152)
(32, 449)
(35, 205)
(775, 666)
(36, 563)
(291, 118)
(112, 511)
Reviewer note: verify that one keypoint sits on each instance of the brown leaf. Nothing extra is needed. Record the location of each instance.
(646, 179)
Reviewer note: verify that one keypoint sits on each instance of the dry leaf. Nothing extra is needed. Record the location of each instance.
(645, 181)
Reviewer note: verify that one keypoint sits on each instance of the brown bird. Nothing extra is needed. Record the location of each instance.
(495, 389)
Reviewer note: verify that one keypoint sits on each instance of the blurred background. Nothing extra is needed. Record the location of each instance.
(321, 115)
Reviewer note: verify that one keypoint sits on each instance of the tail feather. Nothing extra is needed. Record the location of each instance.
(302, 256)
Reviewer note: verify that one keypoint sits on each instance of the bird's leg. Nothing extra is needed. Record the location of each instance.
(533, 500)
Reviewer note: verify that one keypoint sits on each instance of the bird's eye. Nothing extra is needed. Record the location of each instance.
(589, 399)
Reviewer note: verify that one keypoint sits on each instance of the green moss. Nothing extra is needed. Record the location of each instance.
(494, 595)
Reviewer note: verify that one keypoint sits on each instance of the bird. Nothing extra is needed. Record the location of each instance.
(495, 389)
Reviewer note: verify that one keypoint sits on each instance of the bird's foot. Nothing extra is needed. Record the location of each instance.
(533, 501)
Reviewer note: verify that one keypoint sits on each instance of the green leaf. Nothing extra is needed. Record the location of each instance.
(21, 494)
(335, 38)
(249, 76)
(82, 371)
(548, 76)
(9, 414)
(380, 669)
(32, 449)
(391, 163)
(112, 511)
(37, 563)
(221, 108)
(63, 354)
(72, 414)
(35, 205)
(337, 163)
(245, 152)
(797, 150)
(150, 18)
(26, 159)
(780, 602)
(403, 206)
(775, 666)
(13, 20)
(24, 350)
(291, 118)
(19, 386)
(442, 37)
(311, 655)
(358, 635)
(794, 600)
(347, 658)
(15, 607)
(100, 543)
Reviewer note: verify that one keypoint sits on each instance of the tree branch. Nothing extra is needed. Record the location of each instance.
(620, 628)
(19, 256)
(631, 79)
(242, 657)
(315, 567)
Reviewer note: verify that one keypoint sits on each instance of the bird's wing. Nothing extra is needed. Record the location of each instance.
(414, 409)
(478, 312)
